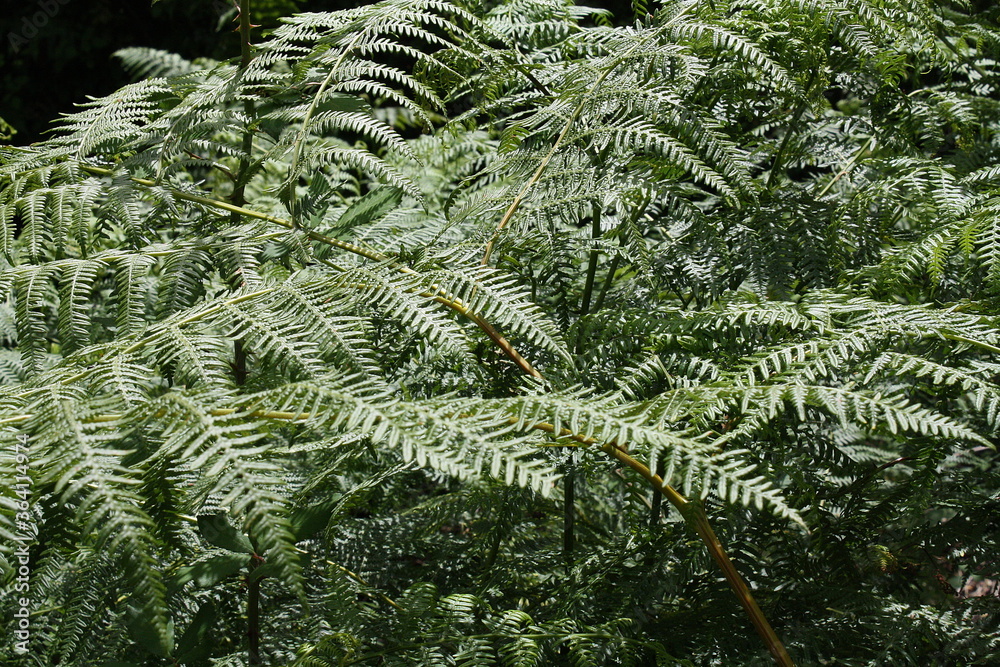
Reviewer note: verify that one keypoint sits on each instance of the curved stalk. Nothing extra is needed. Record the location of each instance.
(522, 193)
(692, 512)
(695, 517)
(508, 350)
(304, 130)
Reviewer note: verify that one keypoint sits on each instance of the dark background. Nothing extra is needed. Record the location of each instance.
(54, 53)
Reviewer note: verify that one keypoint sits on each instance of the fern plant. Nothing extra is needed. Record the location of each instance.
(383, 342)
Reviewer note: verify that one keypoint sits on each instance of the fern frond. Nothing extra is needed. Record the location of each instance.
(88, 476)
(230, 452)
(147, 63)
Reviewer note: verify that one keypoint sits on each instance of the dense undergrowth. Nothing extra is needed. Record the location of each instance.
(365, 347)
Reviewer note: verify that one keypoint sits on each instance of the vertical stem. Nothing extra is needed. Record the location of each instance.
(239, 190)
(253, 613)
(613, 266)
(779, 157)
(239, 363)
(246, 55)
(612, 269)
(569, 481)
(657, 500)
(569, 508)
(239, 351)
(588, 288)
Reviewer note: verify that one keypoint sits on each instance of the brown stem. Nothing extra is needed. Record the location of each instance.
(253, 612)
(694, 516)
(569, 508)
(455, 305)
(692, 512)
(495, 336)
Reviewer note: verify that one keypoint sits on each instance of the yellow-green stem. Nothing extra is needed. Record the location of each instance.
(454, 304)
(692, 512)
(358, 578)
(694, 516)
(514, 205)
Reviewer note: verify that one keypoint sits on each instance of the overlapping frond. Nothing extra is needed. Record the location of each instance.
(264, 340)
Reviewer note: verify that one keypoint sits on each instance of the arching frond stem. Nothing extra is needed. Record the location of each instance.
(584, 99)
(868, 145)
(304, 130)
(358, 578)
(454, 304)
(246, 212)
(695, 517)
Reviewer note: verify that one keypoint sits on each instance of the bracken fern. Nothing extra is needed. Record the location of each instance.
(378, 323)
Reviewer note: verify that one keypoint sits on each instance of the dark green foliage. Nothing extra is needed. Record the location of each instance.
(338, 325)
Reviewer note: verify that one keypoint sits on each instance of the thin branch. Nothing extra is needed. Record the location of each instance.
(245, 212)
(850, 165)
(694, 515)
(514, 205)
(454, 304)
(303, 131)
